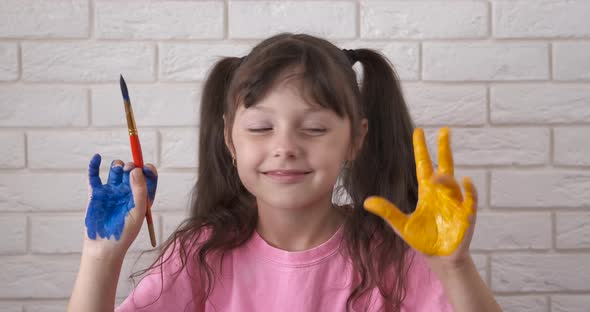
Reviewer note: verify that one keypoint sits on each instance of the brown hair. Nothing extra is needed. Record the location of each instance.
(384, 166)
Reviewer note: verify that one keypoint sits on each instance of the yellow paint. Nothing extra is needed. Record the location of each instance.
(441, 218)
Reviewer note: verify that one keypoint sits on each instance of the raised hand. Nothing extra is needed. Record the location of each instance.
(442, 216)
(117, 208)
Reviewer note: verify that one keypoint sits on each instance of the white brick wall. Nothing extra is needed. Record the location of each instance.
(512, 79)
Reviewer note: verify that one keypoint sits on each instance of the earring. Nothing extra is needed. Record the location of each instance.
(233, 161)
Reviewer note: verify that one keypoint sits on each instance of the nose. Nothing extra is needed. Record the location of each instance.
(285, 144)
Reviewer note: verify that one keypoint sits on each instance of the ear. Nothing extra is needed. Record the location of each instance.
(227, 138)
(361, 138)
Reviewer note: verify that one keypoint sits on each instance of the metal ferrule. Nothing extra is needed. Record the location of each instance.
(130, 119)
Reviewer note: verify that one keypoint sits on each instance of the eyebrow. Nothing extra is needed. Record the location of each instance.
(268, 109)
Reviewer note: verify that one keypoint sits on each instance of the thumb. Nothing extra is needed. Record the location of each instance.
(388, 211)
(139, 190)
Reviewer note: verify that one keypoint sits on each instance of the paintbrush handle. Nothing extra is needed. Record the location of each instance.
(138, 161)
(150, 223)
(136, 151)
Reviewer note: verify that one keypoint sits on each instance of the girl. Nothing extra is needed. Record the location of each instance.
(279, 128)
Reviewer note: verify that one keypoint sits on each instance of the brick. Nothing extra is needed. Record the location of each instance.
(13, 230)
(180, 148)
(512, 231)
(52, 277)
(12, 154)
(11, 307)
(47, 307)
(539, 189)
(190, 62)
(423, 20)
(431, 104)
(570, 303)
(170, 222)
(174, 191)
(570, 61)
(45, 148)
(535, 273)
(160, 20)
(57, 234)
(88, 62)
(520, 146)
(38, 277)
(153, 105)
(545, 18)
(65, 234)
(485, 61)
(572, 230)
(495, 146)
(261, 19)
(481, 265)
(569, 148)
(28, 106)
(539, 103)
(523, 303)
(8, 61)
(405, 56)
(51, 192)
(44, 19)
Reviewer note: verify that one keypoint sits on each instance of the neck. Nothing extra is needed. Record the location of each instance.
(298, 229)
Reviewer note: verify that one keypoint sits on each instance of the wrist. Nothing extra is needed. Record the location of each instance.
(456, 267)
(94, 251)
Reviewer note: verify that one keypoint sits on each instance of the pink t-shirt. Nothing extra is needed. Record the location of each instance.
(259, 277)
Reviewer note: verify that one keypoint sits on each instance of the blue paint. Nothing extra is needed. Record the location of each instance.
(124, 89)
(111, 202)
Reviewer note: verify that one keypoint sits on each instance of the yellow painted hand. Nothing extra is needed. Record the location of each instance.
(441, 219)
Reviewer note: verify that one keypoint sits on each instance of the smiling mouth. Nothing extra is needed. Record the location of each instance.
(286, 172)
(287, 176)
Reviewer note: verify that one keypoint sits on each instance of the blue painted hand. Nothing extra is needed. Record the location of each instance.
(110, 203)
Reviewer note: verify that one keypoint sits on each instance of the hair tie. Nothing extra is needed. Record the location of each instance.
(351, 55)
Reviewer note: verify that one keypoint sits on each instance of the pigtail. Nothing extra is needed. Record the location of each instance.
(386, 163)
(217, 177)
(384, 166)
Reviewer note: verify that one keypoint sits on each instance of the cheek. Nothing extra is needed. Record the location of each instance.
(249, 154)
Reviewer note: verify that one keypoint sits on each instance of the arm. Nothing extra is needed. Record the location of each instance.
(114, 218)
(465, 289)
(442, 226)
(96, 284)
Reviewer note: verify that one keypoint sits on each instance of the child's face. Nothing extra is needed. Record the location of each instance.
(289, 153)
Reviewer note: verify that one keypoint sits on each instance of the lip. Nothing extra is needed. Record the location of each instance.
(287, 176)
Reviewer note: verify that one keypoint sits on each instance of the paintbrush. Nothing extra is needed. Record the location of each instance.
(136, 152)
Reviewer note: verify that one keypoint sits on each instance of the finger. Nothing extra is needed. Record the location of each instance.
(470, 202)
(126, 171)
(139, 190)
(151, 174)
(423, 163)
(115, 173)
(388, 211)
(93, 171)
(449, 186)
(445, 156)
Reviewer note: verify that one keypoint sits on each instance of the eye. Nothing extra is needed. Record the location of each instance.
(259, 130)
(316, 131)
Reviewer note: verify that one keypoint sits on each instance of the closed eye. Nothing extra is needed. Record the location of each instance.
(316, 130)
(259, 130)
